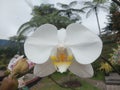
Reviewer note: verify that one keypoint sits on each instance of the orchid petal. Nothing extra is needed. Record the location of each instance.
(81, 70)
(85, 45)
(44, 69)
(38, 47)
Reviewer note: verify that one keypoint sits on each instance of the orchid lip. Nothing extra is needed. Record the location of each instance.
(62, 59)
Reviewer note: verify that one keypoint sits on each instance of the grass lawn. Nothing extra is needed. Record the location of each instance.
(48, 84)
(51, 86)
(99, 76)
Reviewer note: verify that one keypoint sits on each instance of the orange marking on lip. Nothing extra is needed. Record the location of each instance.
(61, 59)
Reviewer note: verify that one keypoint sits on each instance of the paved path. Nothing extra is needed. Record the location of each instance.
(97, 83)
(113, 87)
(112, 82)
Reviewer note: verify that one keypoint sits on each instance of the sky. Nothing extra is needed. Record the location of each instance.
(13, 13)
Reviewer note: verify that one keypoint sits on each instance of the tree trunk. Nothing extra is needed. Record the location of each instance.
(98, 21)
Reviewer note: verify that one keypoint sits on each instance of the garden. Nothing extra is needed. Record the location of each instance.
(24, 74)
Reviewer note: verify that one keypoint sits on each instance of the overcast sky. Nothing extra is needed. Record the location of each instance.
(13, 13)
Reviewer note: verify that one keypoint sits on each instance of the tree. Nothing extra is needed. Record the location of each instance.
(117, 2)
(113, 24)
(94, 6)
(46, 13)
(70, 12)
(19, 40)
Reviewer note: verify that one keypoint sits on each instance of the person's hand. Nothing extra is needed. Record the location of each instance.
(9, 83)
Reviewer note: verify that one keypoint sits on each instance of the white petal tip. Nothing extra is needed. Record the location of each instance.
(62, 68)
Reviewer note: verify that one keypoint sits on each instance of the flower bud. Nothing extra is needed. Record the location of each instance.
(9, 83)
(20, 67)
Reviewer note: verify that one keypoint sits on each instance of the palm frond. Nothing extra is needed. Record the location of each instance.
(64, 6)
(73, 3)
(59, 4)
(26, 30)
(61, 11)
(23, 26)
(88, 3)
(89, 12)
(77, 17)
(77, 10)
(86, 8)
(100, 1)
(105, 8)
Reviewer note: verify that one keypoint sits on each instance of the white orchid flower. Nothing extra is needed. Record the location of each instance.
(73, 48)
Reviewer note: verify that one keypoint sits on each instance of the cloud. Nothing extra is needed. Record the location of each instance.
(13, 14)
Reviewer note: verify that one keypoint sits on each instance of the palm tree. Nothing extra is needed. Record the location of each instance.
(39, 14)
(94, 6)
(46, 13)
(69, 11)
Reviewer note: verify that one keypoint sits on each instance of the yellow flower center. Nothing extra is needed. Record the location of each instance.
(62, 59)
